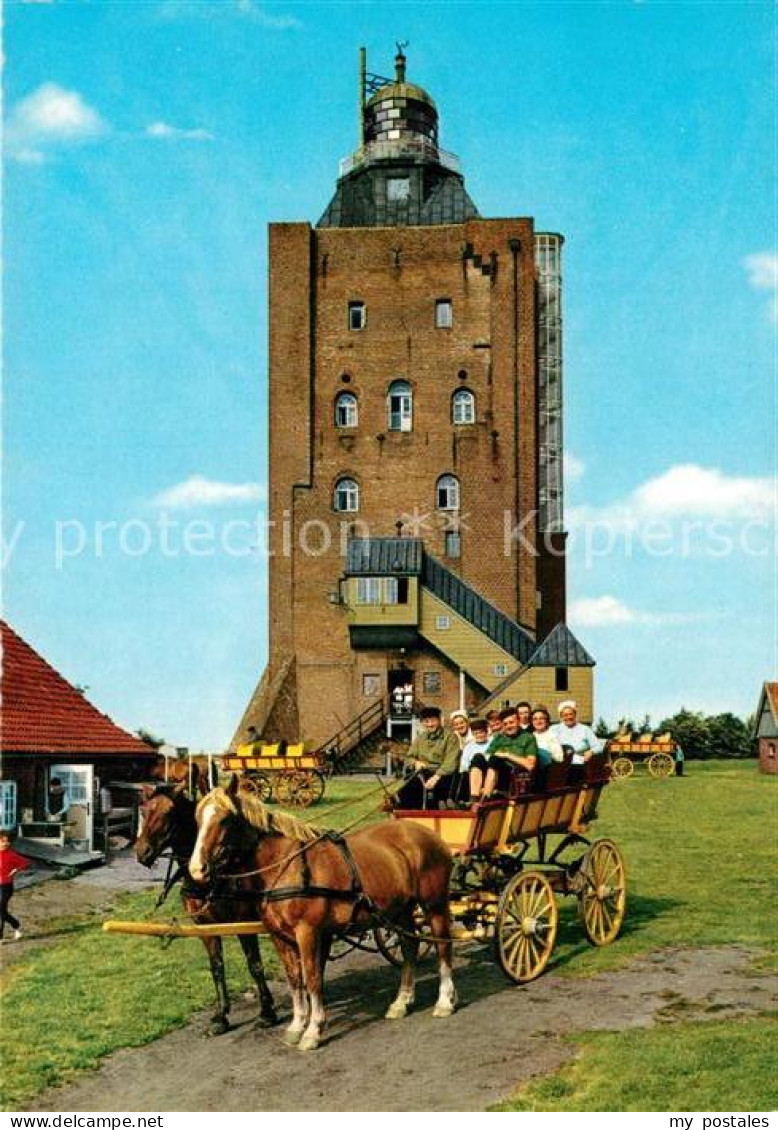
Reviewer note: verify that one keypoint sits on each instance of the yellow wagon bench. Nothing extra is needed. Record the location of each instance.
(280, 772)
(627, 750)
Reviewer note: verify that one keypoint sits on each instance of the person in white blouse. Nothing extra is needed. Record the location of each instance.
(575, 735)
(548, 742)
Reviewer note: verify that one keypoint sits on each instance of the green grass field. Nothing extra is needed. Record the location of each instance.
(700, 854)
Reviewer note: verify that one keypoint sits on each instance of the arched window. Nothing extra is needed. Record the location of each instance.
(463, 407)
(346, 411)
(447, 493)
(346, 498)
(399, 406)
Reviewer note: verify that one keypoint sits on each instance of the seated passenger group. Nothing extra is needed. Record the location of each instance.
(480, 757)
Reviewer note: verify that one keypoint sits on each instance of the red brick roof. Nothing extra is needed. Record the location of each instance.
(42, 713)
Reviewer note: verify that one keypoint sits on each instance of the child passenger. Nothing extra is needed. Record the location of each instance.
(474, 761)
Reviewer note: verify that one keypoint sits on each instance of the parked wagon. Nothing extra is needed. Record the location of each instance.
(512, 859)
(280, 772)
(626, 751)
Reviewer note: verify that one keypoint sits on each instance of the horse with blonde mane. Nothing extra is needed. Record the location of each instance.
(311, 886)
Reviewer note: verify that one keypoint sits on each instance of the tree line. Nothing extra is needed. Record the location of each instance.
(699, 735)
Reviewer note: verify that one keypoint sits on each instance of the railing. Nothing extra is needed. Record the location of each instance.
(402, 147)
(349, 736)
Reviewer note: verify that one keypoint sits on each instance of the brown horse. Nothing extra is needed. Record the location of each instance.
(309, 887)
(169, 823)
(195, 775)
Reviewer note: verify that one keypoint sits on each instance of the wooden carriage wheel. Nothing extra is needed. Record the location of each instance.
(603, 896)
(259, 784)
(388, 941)
(622, 768)
(661, 765)
(300, 788)
(526, 926)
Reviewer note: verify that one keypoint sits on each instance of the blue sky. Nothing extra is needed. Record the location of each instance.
(147, 147)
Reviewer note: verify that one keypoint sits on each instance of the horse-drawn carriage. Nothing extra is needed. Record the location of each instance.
(626, 751)
(512, 857)
(280, 771)
(256, 871)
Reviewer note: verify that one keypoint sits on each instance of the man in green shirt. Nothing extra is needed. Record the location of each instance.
(513, 749)
(434, 757)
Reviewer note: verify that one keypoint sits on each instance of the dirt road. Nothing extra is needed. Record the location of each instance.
(500, 1037)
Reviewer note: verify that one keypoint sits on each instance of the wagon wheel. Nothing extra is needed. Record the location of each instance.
(259, 784)
(603, 895)
(300, 788)
(282, 786)
(388, 941)
(661, 765)
(526, 925)
(622, 768)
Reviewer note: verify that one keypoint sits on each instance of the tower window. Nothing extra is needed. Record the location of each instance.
(400, 406)
(368, 590)
(453, 543)
(444, 315)
(447, 493)
(346, 497)
(463, 407)
(357, 315)
(561, 679)
(346, 411)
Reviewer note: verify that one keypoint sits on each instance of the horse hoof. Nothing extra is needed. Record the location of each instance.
(443, 1010)
(292, 1038)
(396, 1011)
(308, 1044)
(266, 1020)
(217, 1028)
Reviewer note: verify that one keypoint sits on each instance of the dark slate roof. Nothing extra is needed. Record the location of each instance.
(474, 608)
(389, 557)
(437, 196)
(560, 648)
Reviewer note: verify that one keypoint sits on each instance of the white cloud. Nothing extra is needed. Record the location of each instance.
(247, 9)
(29, 157)
(609, 612)
(199, 491)
(162, 131)
(685, 491)
(50, 115)
(762, 269)
(574, 467)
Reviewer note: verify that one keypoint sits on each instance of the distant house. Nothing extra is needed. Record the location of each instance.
(48, 729)
(766, 728)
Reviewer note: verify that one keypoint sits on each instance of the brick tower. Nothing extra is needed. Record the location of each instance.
(415, 486)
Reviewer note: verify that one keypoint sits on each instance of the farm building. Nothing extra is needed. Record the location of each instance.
(766, 728)
(51, 732)
(417, 544)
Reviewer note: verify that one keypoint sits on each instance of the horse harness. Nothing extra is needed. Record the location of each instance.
(355, 893)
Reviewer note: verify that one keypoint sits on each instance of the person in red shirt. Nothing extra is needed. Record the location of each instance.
(10, 863)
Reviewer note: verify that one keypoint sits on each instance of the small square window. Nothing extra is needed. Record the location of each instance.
(501, 669)
(444, 315)
(432, 682)
(453, 545)
(398, 188)
(442, 623)
(371, 685)
(357, 316)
